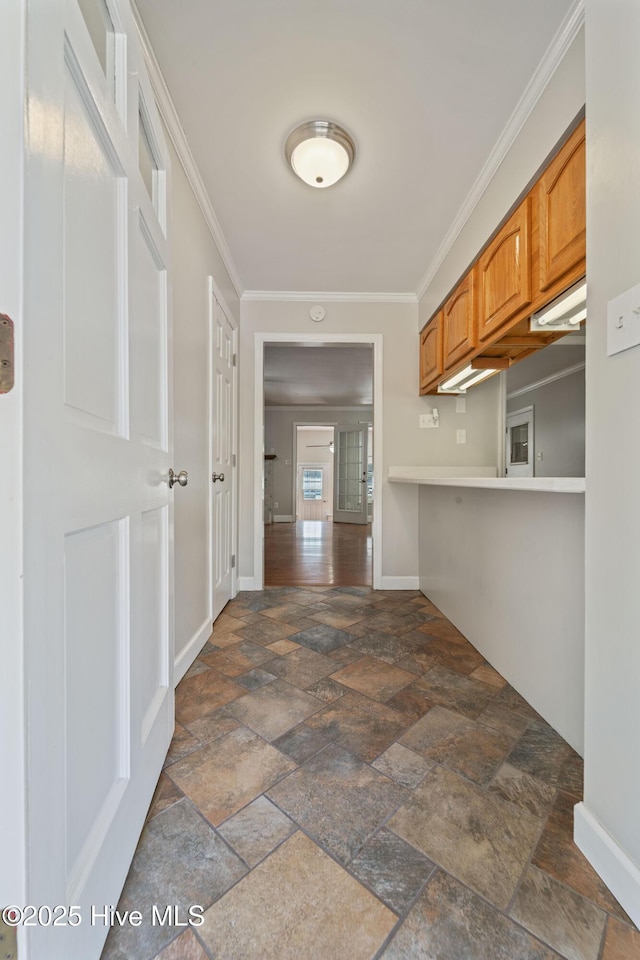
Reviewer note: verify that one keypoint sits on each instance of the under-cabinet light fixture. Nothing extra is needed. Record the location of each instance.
(465, 378)
(566, 312)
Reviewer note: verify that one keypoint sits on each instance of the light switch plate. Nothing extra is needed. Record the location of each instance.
(461, 404)
(426, 420)
(461, 436)
(623, 321)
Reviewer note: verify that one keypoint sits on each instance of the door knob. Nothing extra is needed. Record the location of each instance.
(181, 478)
(217, 476)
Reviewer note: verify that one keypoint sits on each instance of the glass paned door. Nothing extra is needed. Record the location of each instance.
(350, 474)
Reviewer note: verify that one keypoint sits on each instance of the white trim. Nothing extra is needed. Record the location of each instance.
(322, 425)
(282, 518)
(217, 292)
(328, 296)
(260, 339)
(557, 49)
(399, 583)
(248, 583)
(178, 137)
(501, 421)
(186, 656)
(13, 688)
(559, 375)
(608, 859)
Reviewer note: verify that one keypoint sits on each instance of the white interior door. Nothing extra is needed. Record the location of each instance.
(350, 474)
(313, 495)
(97, 451)
(519, 448)
(222, 455)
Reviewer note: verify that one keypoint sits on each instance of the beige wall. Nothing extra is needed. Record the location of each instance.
(194, 258)
(607, 824)
(403, 443)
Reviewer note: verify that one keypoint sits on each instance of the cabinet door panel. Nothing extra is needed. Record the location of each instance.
(562, 212)
(504, 274)
(458, 322)
(431, 352)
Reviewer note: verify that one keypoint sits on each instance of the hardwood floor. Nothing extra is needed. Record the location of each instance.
(317, 553)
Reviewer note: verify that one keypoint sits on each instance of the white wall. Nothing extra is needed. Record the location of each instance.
(607, 824)
(402, 441)
(506, 567)
(194, 259)
(559, 425)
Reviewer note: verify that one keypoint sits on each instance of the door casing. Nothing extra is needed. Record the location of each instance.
(260, 341)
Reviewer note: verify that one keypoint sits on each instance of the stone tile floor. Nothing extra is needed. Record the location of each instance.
(350, 779)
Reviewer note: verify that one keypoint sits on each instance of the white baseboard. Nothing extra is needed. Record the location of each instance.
(609, 860)
(186, 656)
(399, 583)
(282, 518)
(248, 583)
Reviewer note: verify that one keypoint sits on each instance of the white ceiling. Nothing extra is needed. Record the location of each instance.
(424, 86)
(310, 375)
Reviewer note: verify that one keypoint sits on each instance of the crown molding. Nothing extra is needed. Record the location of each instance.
(328, 296)
(178, 137)
(557, 49)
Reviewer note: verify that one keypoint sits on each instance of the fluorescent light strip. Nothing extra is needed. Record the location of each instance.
(483, 374)
(468, 377)
(456, 378)
(560, 310)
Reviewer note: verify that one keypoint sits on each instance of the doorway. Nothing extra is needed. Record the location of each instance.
(332, 537)
(519, 448)
(313, 471)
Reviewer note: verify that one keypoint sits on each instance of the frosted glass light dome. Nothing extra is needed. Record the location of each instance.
(320, 152)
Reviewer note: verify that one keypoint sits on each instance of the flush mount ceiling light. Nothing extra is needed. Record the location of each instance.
(320, 152)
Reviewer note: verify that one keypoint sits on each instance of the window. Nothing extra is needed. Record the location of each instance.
(311, 484)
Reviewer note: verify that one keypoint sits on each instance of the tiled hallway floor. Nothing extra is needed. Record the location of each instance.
(349, 779)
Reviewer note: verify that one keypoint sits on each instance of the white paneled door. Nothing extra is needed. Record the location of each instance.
(97, 451)
(222, 421)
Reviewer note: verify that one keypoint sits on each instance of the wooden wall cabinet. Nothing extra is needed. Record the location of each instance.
(503, 271)
(561, 213)
(431, 353)
(458, 322)
(536, 255)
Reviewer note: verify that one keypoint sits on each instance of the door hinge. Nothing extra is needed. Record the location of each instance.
(233, 560)
(6, 354)
(235, 359)
(233, 459)
(8, 940)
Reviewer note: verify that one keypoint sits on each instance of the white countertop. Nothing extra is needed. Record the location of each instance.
(484, 478)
